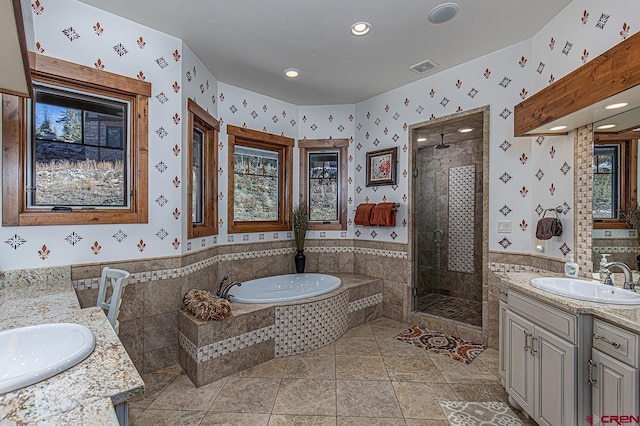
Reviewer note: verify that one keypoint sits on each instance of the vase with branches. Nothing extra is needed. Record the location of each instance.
(300, 220)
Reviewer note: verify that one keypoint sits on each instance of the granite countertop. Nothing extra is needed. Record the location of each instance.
(85, 393)
(627, 316)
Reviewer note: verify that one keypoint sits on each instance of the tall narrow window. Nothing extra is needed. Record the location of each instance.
(202, 186)
(606, 184)
(77, 152)
(323, 177)
(260, 181)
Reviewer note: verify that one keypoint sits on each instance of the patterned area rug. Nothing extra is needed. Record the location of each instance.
(444, 344)
(479, 413)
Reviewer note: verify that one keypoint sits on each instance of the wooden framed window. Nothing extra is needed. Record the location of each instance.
(260, 181)
(77, 152)
(323, 182)
(202, 186)
(614, 181)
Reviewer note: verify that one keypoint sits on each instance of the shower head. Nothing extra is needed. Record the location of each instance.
(442, 145)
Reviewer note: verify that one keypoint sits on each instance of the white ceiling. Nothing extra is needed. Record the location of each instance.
(249, 43)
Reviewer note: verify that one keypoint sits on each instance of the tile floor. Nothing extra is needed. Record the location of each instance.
(453, 308)
(365, 378)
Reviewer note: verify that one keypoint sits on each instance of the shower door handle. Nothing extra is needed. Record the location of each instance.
(438, 236)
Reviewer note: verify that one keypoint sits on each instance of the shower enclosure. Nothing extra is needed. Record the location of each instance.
(448, 220)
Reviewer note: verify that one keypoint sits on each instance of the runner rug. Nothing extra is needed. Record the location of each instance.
(479, 413)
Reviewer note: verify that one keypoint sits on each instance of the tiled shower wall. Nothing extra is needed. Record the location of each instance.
(149, 313)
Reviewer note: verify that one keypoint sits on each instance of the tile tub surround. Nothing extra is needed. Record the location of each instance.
(85, 393)
(257, 333)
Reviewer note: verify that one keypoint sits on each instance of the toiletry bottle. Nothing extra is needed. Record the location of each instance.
(603, 262)
(571, 268)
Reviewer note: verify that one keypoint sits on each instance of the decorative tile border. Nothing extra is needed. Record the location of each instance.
(365, 302)
(508, 267)
(226, 346)
(164, 274)
(603, 249)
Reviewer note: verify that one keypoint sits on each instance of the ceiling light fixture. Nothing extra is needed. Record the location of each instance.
(465, 130)
(606, 126)
(421, 139)
(360, 28)
(616, 106)
(554, 129)
(292, 72)
(443, 13)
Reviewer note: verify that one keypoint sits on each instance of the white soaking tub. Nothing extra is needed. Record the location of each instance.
(283, 288)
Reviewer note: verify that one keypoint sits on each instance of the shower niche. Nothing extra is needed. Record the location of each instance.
(448, 225)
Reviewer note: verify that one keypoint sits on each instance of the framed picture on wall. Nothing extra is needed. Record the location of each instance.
(382, 167)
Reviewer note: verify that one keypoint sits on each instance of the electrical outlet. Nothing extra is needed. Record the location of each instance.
(504, 226)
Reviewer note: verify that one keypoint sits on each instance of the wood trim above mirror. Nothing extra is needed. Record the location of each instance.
(611, 73)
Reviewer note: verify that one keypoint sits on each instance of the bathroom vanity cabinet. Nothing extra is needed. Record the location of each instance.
(613, 371)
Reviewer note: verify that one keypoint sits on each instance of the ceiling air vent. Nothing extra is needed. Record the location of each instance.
(424, 67)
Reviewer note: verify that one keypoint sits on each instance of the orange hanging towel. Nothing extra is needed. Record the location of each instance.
(363, 214)
(384, 214)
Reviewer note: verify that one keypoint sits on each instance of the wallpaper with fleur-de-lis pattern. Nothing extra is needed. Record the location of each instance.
(526, 174)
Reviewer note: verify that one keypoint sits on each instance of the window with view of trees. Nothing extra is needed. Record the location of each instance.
(606, 186)
(203, 163)
(260, 182)
(77, 152)
(323, 170)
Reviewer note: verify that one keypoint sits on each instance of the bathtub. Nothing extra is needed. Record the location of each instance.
(283, 288)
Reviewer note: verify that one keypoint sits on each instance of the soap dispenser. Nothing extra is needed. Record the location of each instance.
(571, 268)
(603, 261)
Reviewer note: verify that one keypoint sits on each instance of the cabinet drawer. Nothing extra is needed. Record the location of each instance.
(615, 341)
(558, 322)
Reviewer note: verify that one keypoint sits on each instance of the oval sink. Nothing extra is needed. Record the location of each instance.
(31, 354)
(586, 290)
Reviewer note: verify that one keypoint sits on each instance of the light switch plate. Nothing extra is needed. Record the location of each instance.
(504, 226)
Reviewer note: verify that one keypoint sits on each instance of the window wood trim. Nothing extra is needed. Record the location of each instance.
(628, 177)
(14, 143)
(262, 140)
(318, 145)
(200, 118)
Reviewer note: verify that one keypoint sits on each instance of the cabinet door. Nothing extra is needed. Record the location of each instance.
(519, 363)
(615, 390)
(502, 341)
(555, 382)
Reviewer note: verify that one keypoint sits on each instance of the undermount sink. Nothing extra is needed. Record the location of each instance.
(31, 354)
(589, 291)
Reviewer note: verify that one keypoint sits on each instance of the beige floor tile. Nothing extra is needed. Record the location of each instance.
(426, 422)
(134, 413)
(289, 420)
(174, 369)
(364, 346)
(370, 421)
(235, 419)
(329, 349)
(366, 399)
(169, 418)
(385, 322)
(360, 368)
(317, 367)
(273, 369)
(390, 346)
(412, 369)
(307, 397)
(458, 372)
(363, 330)
(154, 385)
(247, 395)
(181, 394)
(479, 392)
(420, 400)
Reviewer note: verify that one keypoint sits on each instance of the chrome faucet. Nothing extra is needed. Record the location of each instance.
(225, 293)
(219, 290)
(628, 275)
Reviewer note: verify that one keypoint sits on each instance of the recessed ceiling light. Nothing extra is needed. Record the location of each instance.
(443, 13)
(465, 130)
(636, 130)
(421, 139)
(360, 28)
(616, 106)
(553, 129)
(606, 126)
(292, 72)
